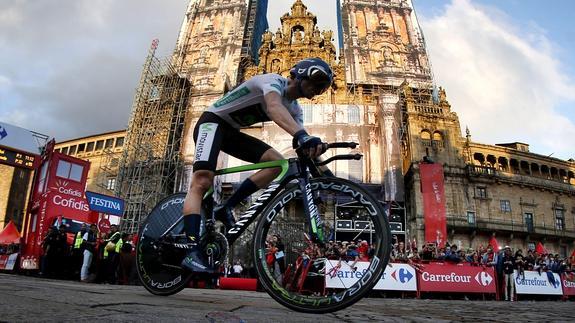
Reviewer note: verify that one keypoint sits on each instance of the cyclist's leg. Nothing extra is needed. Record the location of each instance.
(253, 150)
(208, 135)
(201, 182)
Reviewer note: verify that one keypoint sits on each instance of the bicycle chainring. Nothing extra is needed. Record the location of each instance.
(215, 248)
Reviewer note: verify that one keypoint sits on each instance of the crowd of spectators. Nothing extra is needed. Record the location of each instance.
(505, 261)
(482, 257)
(91, 256)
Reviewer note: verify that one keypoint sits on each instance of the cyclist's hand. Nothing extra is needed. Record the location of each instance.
(310, 145)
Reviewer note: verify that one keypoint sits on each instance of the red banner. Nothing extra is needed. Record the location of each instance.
(444, 277)
(568, 282)
(432, 189)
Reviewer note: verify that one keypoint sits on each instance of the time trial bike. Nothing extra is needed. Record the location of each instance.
(305, 271)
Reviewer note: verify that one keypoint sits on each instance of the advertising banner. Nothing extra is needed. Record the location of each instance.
(399, 277)
(568, 282)
(105, 203)
(442, 277)
(18, 138)
(432, 189)
(533, 282)
(11, 261)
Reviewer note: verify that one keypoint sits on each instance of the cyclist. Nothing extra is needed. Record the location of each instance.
(267, 97)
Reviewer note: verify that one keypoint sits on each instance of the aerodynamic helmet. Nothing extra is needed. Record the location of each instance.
(314, 69)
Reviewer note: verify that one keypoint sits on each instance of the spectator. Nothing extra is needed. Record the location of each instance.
(508, 268)
(490, 257)
(440, 254)
(111, 254)
(237, 269)
(50, 247)
(428, 252)
(529, 260)
(78, 251)
(453, 255)
(352, 255)
(520, 263)
(401, 254)
(279, 266)
(126, 260)
(89, 246)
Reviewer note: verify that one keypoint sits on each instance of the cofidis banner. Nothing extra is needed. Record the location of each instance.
(445, 277)
(533, 282)
(395, 277)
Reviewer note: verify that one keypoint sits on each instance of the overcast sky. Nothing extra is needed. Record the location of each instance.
(69, 68)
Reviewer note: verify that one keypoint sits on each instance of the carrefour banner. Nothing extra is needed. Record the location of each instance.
(568, 282)
(395, 277)
(441, 277)
(533, 282)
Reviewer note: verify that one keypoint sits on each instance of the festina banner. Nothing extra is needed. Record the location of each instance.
(105, 203)
(533, 282)
(400, 277)
(432, 189)
(444, 277)
(568, 282)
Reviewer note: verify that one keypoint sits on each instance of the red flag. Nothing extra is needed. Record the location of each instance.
(540, 249)
(494, 244)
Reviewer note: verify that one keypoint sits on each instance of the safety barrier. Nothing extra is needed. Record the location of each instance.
(445, 277)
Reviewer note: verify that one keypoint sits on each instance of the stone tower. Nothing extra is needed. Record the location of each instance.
(209, 50)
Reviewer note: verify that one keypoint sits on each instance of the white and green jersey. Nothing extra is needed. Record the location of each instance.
(245, 105)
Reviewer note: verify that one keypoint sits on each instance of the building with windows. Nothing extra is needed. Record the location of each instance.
(104, 152)
(383, 97)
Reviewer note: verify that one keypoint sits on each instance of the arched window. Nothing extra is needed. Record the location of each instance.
(353, 114)
(437, 136)
(425, 135)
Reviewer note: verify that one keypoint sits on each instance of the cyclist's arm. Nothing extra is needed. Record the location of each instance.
(279, 114)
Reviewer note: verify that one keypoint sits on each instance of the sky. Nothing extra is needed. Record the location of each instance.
(69, 68)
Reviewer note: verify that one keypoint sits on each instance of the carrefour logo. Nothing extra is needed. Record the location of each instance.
(402, 275)
(483, 278)
(62, 187)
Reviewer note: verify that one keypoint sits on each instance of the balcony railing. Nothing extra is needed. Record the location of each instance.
(487, 171)
(510, 226)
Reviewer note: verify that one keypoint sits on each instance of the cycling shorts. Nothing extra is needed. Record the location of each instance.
(212, 134)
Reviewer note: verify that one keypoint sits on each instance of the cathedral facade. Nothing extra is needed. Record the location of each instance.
(384, 98)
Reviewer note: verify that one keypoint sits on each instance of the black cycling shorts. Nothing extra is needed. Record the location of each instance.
(212, 134)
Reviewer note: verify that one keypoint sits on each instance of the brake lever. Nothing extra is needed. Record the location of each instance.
(340, 157)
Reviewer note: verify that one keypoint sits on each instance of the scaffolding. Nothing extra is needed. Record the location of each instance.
(151, 166)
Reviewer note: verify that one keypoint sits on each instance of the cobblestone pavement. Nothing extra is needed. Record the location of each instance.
(34, 299)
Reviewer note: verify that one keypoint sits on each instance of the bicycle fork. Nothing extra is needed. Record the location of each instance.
(312, 211)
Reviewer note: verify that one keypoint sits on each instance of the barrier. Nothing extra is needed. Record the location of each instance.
(533, 282)
(460, 278)
(400, 277)
(238, 283)
(568, 283)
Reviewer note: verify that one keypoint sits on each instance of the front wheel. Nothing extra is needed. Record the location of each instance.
(334, 270)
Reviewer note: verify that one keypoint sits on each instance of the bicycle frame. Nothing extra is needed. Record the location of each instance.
(291, 169)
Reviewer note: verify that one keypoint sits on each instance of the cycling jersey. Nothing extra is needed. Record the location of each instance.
(245, 105)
